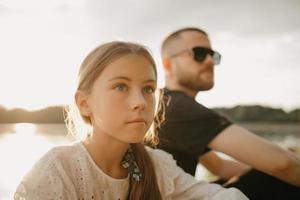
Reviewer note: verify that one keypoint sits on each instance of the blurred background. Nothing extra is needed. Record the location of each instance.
(42, 44)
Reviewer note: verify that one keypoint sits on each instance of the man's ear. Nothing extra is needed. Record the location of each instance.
(166, 64)
(82, 104)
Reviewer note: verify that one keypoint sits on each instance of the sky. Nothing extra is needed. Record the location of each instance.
(42, 44)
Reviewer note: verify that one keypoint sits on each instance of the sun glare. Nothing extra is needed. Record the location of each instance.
(25, 128)
(19, 151)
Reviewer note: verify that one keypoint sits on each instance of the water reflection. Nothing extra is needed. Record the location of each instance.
(25, 128)
(20, 148)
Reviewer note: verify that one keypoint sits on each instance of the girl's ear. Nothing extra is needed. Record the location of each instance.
(82, 104)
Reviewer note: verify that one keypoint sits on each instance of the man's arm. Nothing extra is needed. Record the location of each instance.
(258, 153)
(222, 168)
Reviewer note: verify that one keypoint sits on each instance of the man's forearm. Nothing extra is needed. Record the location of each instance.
(290, 172)
(233, 168)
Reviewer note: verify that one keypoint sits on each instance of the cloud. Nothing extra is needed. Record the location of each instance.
(245, 17)
(4, 10)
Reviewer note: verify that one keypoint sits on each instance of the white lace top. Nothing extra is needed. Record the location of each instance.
(68, 172)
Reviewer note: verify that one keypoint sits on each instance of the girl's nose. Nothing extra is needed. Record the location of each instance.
(138, 101)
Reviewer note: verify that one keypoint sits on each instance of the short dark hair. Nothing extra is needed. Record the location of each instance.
(175, 35)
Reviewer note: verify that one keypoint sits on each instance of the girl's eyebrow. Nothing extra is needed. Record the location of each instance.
(150, 81)
(120, 77)
(128, 79)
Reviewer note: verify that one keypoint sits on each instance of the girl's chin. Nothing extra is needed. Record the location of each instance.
(138, 138)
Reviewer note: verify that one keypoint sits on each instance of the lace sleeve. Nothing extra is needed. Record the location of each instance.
(174, 183)
(46, 180)
(164, 169)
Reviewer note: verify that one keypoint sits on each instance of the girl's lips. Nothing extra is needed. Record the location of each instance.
(137, 120)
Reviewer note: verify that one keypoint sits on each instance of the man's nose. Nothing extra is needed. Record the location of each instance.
(209, 59)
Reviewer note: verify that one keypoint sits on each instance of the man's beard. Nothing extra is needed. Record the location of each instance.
(195, 84)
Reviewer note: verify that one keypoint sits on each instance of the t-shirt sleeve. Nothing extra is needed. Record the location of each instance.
(189, 126)
(174, 183)
(45, 180)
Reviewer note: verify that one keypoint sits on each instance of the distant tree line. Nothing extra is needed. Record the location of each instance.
(253, 113)
(257, 113)
(47, 115)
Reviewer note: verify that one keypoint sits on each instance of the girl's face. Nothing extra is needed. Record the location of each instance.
(122, 100)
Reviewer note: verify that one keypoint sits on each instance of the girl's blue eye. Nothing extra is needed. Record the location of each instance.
(121, 87)
(149, 90)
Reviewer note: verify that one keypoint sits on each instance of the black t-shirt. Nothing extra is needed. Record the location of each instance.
(188, 128)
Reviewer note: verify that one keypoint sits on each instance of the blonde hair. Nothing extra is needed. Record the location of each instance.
(90, 69)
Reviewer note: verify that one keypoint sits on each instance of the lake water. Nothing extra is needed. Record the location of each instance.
(23, 144)
(20, 146)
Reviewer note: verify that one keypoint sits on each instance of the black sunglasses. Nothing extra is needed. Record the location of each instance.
(200, 54)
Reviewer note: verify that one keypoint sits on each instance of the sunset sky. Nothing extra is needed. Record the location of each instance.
(42, 44)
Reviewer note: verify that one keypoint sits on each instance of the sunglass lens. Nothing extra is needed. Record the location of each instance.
(200, 54)
(217, 58)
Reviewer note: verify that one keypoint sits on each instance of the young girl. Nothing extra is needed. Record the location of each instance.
(115, 97)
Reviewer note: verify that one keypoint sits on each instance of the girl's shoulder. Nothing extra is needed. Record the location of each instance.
(63, 152)
(59, 157)
(166, 169)
(56, 157)
(160, 157)
(174, 183)
(49, 174)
